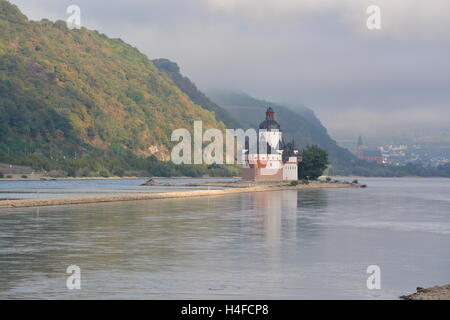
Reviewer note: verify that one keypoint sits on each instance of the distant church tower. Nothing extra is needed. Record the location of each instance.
(368, 155)
(360, 149)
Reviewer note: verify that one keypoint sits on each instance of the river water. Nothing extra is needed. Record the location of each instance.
(313, 244)
(29, 189)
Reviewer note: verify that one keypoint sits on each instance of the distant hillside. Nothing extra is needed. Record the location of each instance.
(198, 97)
(74, 93)
(302, 125)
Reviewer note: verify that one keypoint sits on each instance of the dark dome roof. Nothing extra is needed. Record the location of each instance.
(269, 124)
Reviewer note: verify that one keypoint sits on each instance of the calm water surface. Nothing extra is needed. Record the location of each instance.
(271, 245)
(97, 187)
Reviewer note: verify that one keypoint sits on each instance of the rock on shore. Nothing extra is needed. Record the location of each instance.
(434, 293)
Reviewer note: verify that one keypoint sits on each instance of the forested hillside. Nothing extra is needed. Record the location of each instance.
(188, 87)
(76, 94)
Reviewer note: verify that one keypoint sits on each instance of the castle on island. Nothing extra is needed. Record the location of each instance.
(278, 161)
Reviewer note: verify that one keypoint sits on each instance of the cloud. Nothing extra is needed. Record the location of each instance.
(316, 52)
(371, 123)
(400, 17)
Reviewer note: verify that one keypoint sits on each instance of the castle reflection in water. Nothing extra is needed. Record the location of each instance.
(279, 215)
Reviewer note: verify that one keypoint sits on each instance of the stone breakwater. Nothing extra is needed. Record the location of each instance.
(165, 195)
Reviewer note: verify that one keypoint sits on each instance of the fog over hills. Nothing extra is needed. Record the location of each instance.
(300, 124)
(393, 82)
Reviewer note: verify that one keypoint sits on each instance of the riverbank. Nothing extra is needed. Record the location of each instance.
(167, 195)
(434, 293)
(47, 178)
(33, 178)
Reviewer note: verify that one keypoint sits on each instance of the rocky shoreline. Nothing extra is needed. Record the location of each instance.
(233, 189)
(434, 293)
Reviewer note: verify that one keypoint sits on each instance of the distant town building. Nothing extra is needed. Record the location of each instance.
(368, 155)
(373, 156)
(279, 162)
(428, 154)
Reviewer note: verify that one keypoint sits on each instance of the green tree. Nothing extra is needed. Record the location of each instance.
(315, 161)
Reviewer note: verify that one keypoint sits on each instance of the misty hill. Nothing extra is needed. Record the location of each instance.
(301, 124)
(188, 87)
(72, 93)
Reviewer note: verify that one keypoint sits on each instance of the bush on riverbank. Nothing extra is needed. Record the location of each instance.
(314, 163)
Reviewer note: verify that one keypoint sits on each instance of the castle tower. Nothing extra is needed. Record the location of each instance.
(270, 132)
(268, 163)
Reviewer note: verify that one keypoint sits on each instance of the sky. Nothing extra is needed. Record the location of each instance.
(389, 85)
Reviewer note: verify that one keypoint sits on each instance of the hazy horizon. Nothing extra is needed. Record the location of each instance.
(383, 84)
